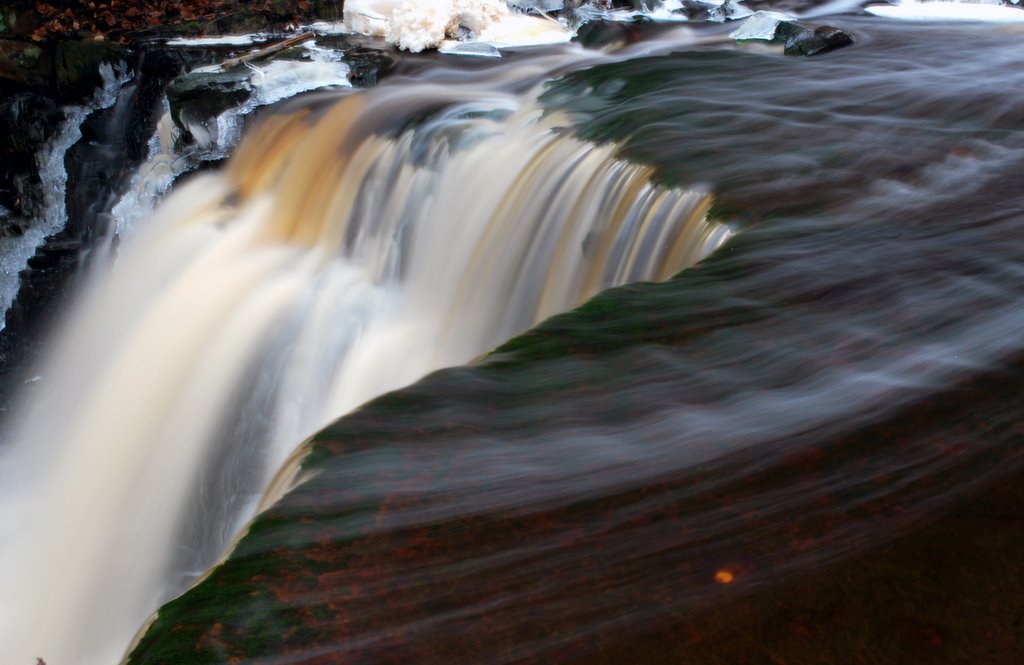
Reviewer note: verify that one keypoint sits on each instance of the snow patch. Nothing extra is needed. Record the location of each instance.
(948, 11)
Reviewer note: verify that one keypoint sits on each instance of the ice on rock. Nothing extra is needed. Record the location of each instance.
(762, 25)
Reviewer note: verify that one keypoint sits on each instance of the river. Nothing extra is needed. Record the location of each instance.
(837, 364)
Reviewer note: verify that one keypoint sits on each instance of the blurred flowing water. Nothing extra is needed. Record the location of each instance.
(846, 366)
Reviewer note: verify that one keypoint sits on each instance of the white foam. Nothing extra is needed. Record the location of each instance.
(16, 252)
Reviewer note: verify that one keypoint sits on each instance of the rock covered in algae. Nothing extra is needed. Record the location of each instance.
(818, 40)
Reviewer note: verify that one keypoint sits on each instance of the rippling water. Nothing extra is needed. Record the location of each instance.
(842, 369)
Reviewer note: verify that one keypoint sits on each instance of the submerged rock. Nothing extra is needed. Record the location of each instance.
(819, 40)
(796, 38)
(607, 35)
(25, 63)
(77, 64)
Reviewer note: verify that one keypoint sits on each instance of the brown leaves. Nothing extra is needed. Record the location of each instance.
(117, 18)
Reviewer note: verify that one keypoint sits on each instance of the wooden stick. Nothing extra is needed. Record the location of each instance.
(268, 50)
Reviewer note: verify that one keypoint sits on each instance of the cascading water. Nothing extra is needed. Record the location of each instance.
(355, 243)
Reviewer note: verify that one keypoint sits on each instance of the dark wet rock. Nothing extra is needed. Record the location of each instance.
(767, 26)
(606, 35)
(77, 65)
(242, 23)
(730, 10)
(198, 98)
(329, 10)
(99, 166)
(609, 35)
(27, 121)
(817, 40)
(44, 284)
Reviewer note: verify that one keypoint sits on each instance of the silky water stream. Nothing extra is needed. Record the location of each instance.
(354, 243)
(845, 367)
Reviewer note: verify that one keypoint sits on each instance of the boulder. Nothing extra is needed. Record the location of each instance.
(329, 10)
(198, 98)
(818, 40)
(797, 39)
(27, 121)
(608, 35)
(77, 65)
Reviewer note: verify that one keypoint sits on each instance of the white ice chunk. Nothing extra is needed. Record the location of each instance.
(762, 25)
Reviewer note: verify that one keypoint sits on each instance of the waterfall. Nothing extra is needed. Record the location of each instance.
(354, 243)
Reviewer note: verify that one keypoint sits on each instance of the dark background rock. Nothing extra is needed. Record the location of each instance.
(197, 98)
(329, 10)
(77, 66)
(25, 63)
(27, 119)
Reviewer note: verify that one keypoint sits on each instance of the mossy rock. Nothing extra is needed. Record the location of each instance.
(819, 40)
(329, 10)
(25, 63)
(77, 64)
